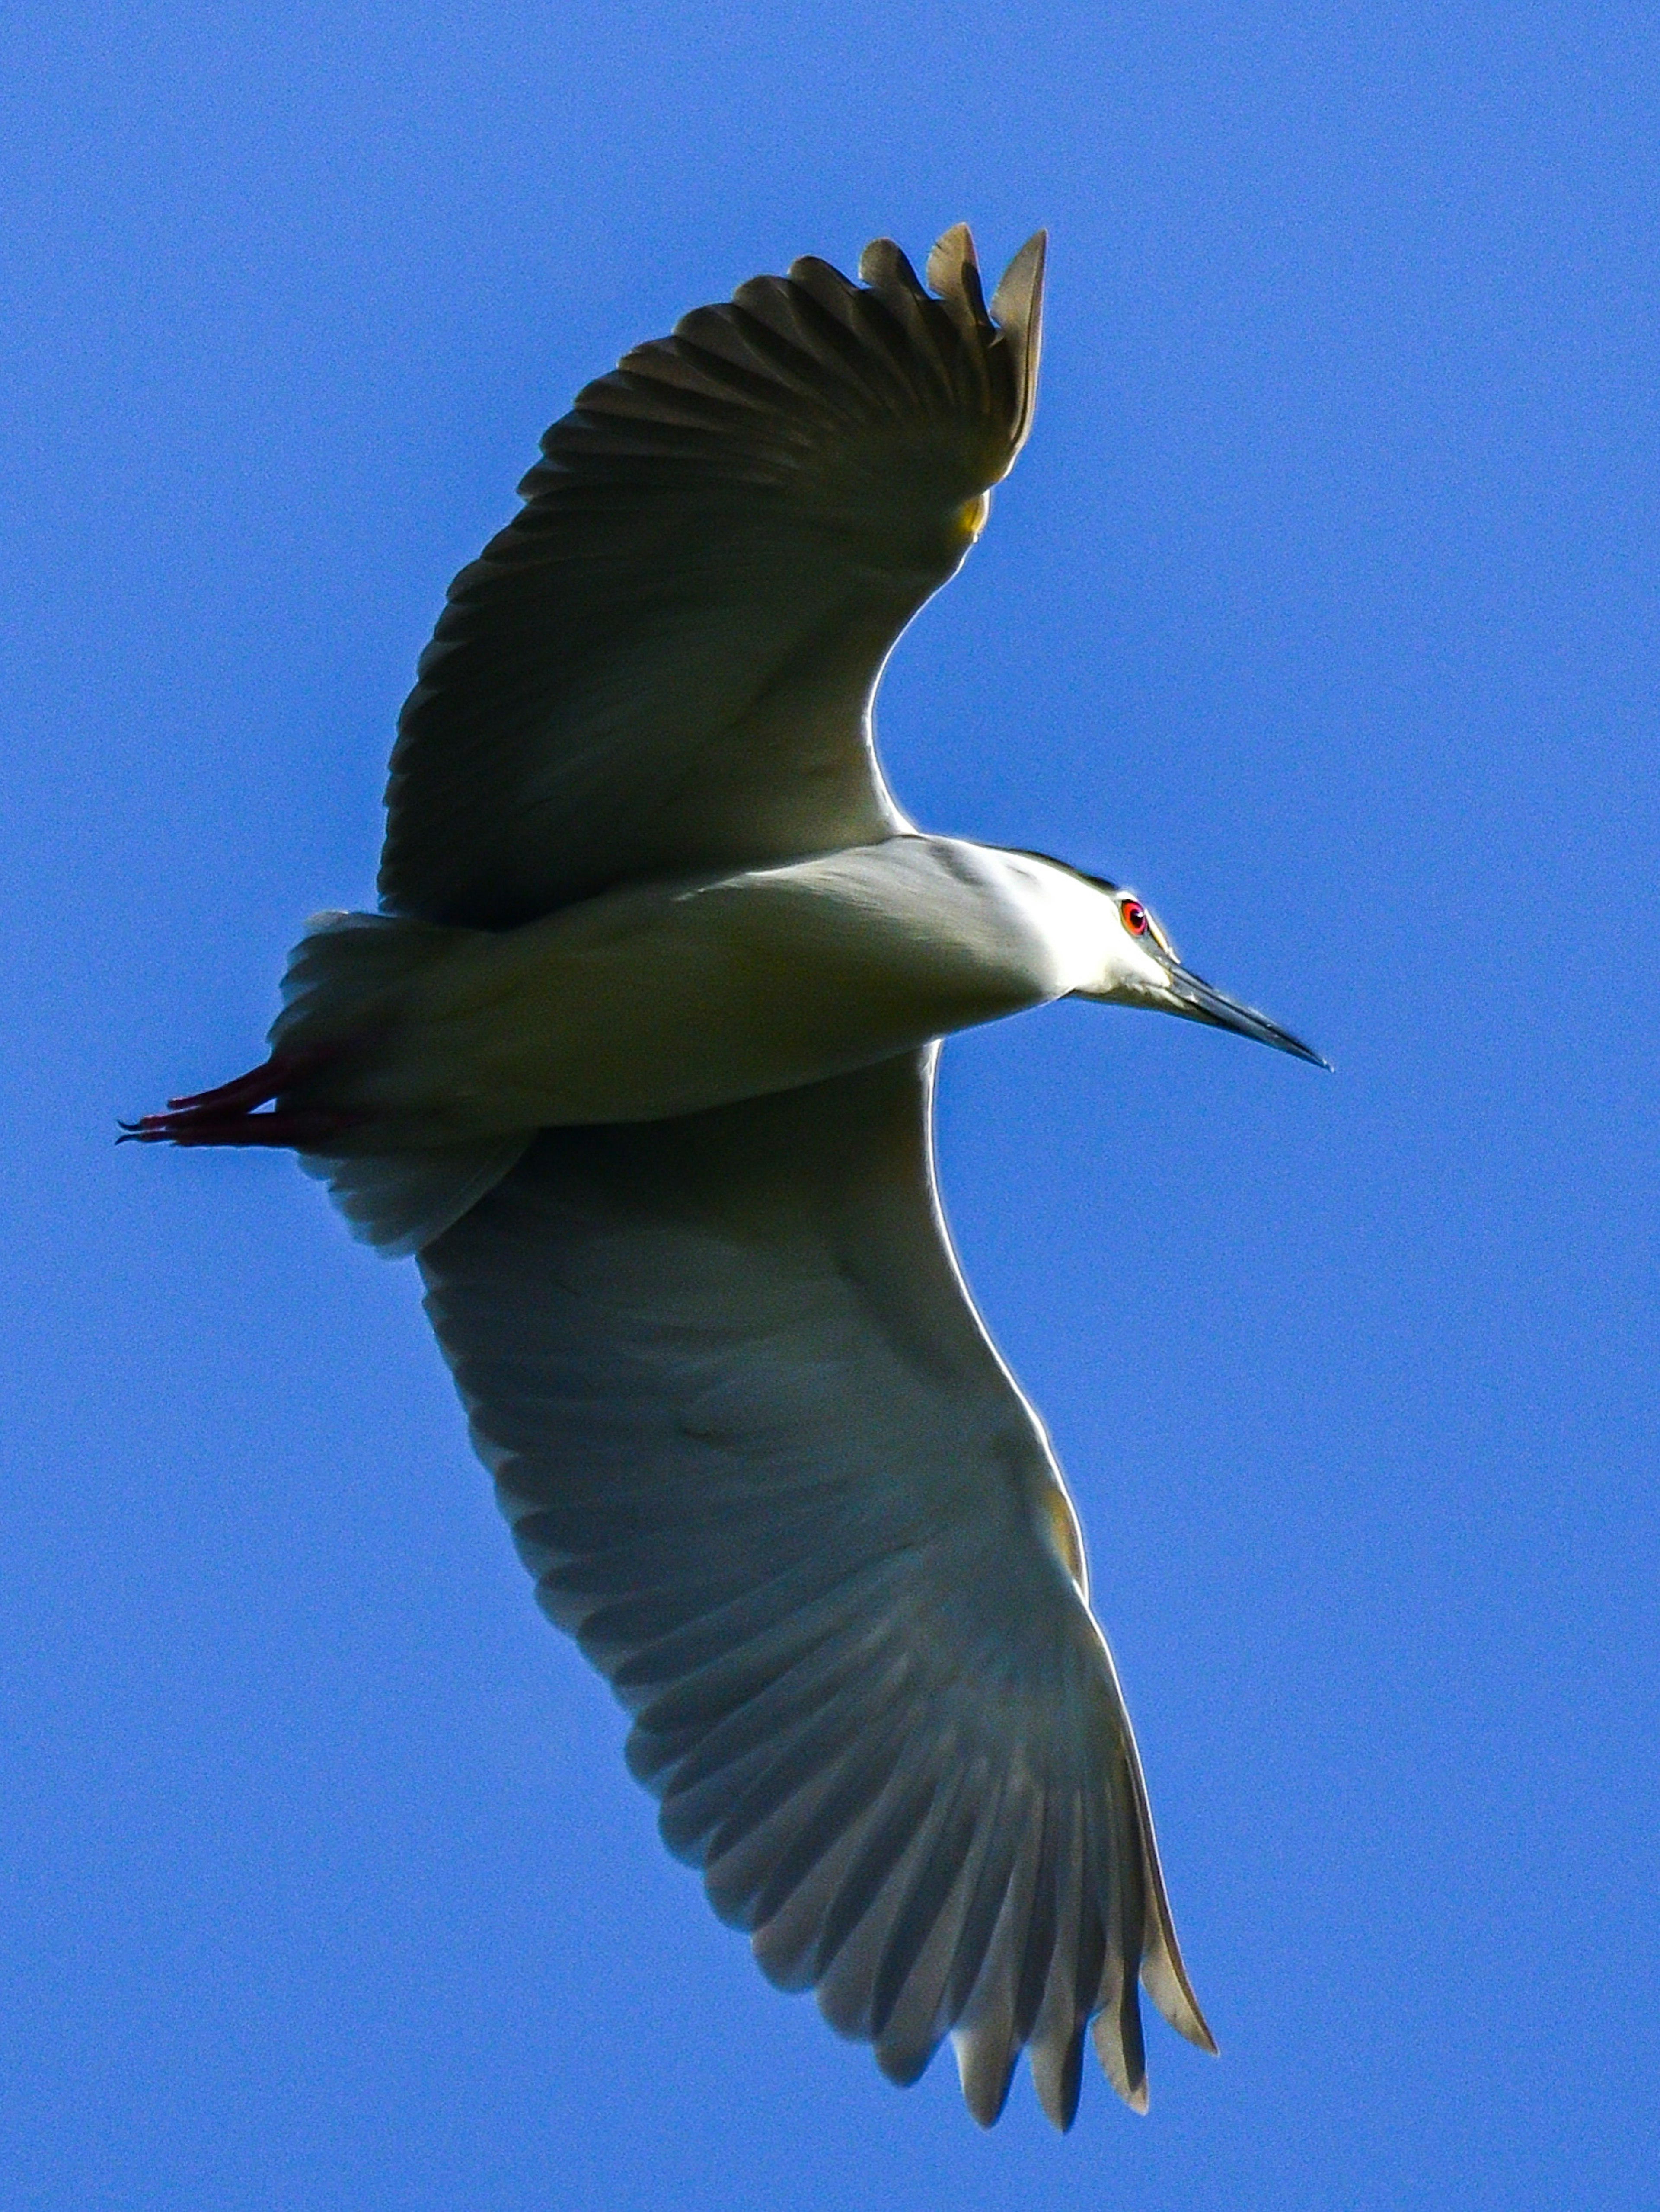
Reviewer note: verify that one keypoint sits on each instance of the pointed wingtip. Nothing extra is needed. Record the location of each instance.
(885, 264)
(985, 2067)
(1017, 306)
(1017, 302)
(1116, 2034)
(1163, 1976)
(1057, 2072)
(950, 254)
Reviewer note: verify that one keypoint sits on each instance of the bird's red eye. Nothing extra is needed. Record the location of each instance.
(1135, 917)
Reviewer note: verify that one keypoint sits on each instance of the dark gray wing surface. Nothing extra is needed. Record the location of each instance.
(666, 662)
(765, 1465)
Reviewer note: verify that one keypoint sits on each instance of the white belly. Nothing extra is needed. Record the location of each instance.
(667, 999)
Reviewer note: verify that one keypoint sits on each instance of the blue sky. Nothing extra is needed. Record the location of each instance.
(1321, 608)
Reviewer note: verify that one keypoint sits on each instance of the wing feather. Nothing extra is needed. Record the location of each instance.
(766, 1467)
(666, 662)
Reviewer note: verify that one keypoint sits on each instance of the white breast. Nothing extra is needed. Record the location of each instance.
(672, 997)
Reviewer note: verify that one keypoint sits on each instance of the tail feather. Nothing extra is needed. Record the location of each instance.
(399, 1200)
(341, 963)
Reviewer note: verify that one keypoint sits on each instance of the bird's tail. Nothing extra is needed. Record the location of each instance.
(397, 1199)
(401, 1200)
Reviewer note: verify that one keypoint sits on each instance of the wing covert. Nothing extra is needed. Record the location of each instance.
(767, 1468)
(665, 662)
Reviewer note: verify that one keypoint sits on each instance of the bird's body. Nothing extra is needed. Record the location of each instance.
(639, 1058)
(664, 998)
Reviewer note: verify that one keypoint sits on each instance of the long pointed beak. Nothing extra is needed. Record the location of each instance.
(1199, 1001)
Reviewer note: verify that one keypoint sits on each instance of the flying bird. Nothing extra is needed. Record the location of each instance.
(638, 1060)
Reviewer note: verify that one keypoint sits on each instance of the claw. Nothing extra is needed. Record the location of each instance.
(306, 1129)
(226, 1115)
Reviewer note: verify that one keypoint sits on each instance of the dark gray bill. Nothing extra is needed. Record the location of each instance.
(1200, 1002)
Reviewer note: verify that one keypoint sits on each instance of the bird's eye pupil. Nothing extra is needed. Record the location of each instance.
(1135, 917)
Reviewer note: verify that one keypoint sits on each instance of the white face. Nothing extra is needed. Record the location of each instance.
(1132, 972)
(1087, 939)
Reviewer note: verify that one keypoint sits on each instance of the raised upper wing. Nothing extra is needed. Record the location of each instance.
(766, 1466)
(666, 662)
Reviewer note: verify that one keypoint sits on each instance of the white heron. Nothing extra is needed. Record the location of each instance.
(638, 1058)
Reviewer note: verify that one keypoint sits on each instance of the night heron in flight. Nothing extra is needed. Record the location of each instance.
(638, 1057)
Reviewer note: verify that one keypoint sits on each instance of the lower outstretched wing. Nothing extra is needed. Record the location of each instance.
(765, 1465)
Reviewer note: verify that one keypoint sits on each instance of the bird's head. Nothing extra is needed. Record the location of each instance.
(1141, 968)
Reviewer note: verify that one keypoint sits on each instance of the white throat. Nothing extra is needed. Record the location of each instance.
(1081, 925)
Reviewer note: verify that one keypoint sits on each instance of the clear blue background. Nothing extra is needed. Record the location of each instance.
(1323, 609)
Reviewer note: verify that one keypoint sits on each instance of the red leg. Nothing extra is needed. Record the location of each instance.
(306, 1129)
(281, 1071)
(226, 1115)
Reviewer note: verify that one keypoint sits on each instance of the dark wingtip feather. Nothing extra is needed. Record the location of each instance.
(953, 271)
(985, 2067)
(1057, 2073)
(1116, 2035)
(1017, 306)
(952, 252)
(883, 265)
(1166, 1981)
(1164, 1975)
(904, 2064)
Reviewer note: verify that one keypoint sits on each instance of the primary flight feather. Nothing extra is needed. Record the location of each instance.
(638, 1058)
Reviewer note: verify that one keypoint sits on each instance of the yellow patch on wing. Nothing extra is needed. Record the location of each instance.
(1066, 1537)
(971, 517)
